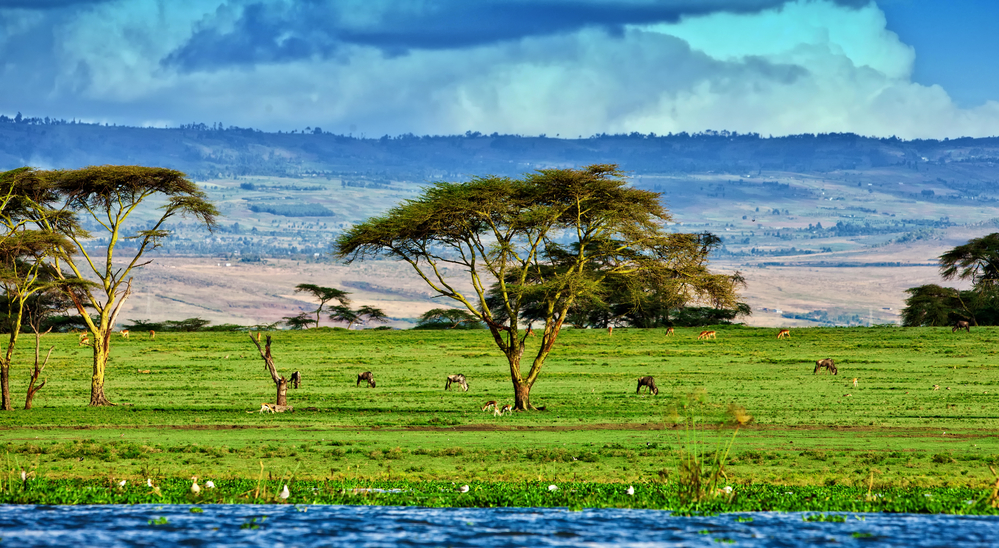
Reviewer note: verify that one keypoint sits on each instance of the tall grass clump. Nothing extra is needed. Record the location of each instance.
(701, 460)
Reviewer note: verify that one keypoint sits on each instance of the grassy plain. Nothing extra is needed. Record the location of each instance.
(195, 411)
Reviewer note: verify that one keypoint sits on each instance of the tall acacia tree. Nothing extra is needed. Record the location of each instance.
(24, 252)
(978, 262)
(550, 238)
(110, 196)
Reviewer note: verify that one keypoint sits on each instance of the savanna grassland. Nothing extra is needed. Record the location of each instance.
(195, 411)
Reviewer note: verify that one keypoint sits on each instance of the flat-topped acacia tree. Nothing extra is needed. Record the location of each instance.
(110, 196)
(550, 238)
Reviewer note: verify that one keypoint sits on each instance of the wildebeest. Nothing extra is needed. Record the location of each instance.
(366, 376)
(961, 325)
(296, 379)
(456, 379)
(706, 335)
(649, 383)
(826, 363)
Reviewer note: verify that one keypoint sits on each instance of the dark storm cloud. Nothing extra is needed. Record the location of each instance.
(280, 32)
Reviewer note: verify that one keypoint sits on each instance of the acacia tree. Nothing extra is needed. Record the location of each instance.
(978, 262)
(109, 196)
(323, 295)
(368, 314)
(550, 238)
(24, 250)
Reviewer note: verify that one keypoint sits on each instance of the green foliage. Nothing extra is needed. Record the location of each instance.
(448, 318)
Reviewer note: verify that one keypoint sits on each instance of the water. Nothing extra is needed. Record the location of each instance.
(275, 526)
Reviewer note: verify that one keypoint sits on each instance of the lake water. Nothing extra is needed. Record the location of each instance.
(275, 526)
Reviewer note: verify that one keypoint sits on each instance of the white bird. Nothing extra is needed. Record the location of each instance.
(553, 488)
(463, 489)
(210, 484)
(24, 476)
(121, 483)
(194, 486)
(630, 491)
(285, 493)
(149, 482)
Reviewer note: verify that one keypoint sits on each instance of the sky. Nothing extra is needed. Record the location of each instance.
(567, 68)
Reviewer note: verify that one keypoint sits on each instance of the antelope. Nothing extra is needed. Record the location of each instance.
(143, 371)
(610, 330)
(489, 404)
(855, 384)
(936, 387)
(152, 334)
(784, 333)
(827, 364)
(266, 408)
(85, 339)
(649, 383)
(706, 335)
(366, 376)
(530, 331)
(961, 325)
(456, 379)
(124, 333)
(497, 411)
(669, 332)
(296, 379)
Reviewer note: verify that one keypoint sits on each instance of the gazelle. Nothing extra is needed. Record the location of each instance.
(855, 383)
(706, 335)
(497, 411)
(85, 339)
(669, 332)
(488, 405)
(784, 334)
(124, 333)
(152, 334)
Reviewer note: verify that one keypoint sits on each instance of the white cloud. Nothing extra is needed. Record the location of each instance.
(812, 66)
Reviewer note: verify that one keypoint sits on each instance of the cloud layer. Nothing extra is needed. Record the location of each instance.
(568, 67)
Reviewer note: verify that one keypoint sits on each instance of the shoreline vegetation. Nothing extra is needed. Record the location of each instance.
(187, 405)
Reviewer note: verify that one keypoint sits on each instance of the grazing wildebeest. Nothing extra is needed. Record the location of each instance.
(961, 325)
(784, 333)
(296, 379)
(826, 363)
(706, 335)
(649, 383)
(456, 379)
(366, 376)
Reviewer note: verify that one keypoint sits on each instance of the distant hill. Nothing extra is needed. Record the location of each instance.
(207, 152)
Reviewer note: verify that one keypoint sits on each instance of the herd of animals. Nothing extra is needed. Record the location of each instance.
(648, 382)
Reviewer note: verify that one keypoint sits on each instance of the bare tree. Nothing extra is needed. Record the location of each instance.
(280, 382)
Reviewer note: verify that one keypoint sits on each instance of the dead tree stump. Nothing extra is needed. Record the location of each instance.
(280, 382)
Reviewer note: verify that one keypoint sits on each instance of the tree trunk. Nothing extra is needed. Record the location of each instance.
(522, 396)
(102, 351)
(280, 382)
(282, 391)
(5, 403)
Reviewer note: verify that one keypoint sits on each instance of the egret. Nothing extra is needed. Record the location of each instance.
(463, 489)
(630, 491)
(210, 484)
(194, 486)
(285, 493)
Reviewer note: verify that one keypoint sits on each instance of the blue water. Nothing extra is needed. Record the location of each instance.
(275, 526)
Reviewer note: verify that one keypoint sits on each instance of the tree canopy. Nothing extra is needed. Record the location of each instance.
(552, 238)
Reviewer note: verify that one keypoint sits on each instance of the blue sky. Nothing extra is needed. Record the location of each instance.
(911, 68)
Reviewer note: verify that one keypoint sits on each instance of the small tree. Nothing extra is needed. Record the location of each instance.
(323, 295)
(344, 314)
(109, 196)
(370, 314)
(453, 316)
(301, 321)
(551, 238)
(978, 262)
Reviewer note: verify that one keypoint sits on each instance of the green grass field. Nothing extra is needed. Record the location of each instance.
(195, 411)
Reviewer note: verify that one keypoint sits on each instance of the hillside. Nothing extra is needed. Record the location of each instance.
(812, 212)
